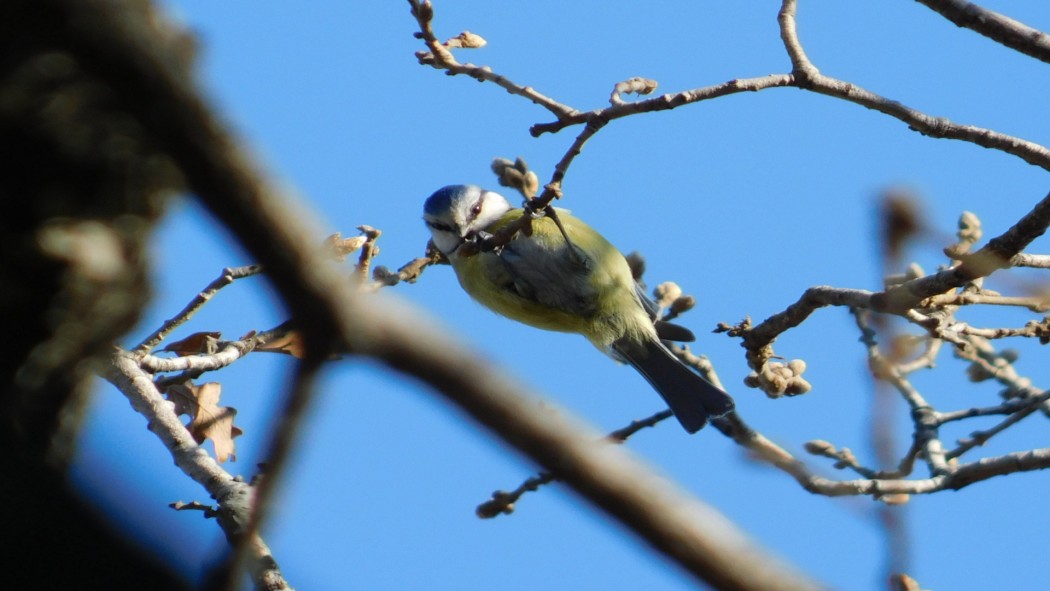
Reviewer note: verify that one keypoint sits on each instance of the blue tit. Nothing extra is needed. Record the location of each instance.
(574, 281)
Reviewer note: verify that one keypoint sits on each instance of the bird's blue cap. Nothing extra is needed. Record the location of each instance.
(441, 200)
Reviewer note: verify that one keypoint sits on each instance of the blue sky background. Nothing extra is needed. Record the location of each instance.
(745, 201)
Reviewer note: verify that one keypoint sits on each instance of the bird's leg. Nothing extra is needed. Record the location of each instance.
(533, 213)
(573, 252)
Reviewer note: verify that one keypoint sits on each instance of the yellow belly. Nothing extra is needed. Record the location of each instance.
(604, 306)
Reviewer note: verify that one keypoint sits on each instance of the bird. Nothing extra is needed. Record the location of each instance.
(564, 276)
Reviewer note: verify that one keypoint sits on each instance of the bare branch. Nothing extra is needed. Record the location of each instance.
(979, 438)
(935, 127)
(553, 189)
(235, 498)
(995, 255)
(409, 272)
(665, 102)
(983, 469)
(946, 474)
(1003, 29)
(540, 205)
(801, 66)
(298, 398)
(502, 502)
(227, 181)
(225, 353)
(926, 437)
(601, 472)
(228, 276)
(229, 353)
(1033, 303)
(807, 76)
(898, 299)
(1037, 261)
(441, 58)
(1008, 407)
(758, 340)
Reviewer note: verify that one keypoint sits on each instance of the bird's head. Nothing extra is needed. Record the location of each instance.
(456, 213)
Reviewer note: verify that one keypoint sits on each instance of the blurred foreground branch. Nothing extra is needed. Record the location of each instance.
(332, 318)
(124, 55)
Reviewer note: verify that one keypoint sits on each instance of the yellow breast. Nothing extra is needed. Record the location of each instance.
(538, 280)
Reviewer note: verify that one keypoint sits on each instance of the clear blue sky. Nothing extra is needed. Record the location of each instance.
(745, 201)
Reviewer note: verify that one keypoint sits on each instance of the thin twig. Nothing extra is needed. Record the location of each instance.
(441, 57)
(228, 276)
(502, 502)
(665, 102)
(1035, 261)
(925, 435)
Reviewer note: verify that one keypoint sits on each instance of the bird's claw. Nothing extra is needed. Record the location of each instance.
(483, 241)
(532, 211)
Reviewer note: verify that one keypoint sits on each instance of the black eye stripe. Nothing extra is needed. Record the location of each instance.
(439, 226)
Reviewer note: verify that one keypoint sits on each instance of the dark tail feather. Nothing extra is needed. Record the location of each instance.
(691, 398)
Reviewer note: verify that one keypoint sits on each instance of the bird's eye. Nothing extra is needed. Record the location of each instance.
(476, 210)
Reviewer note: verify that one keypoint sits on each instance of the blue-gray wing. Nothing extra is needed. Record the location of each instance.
(650, 306)
(549, 274)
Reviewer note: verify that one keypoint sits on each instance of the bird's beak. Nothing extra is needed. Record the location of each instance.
(462, 240)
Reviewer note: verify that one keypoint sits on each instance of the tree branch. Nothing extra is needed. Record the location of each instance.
(235, 497)
(228, 276)
(441, 58)
(808, 77)
(228, 182)
(997, 27)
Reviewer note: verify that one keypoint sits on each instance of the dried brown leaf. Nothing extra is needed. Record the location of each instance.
(291, 343)
(195, 344)
(208, 420)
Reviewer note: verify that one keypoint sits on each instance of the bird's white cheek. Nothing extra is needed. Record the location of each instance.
(446, 242)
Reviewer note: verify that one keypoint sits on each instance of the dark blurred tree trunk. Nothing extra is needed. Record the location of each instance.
(81, 186)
